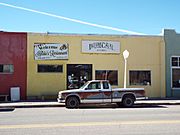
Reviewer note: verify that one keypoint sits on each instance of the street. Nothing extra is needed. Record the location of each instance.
(145, 120)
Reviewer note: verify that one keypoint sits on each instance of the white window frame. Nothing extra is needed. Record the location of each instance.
(174, 67)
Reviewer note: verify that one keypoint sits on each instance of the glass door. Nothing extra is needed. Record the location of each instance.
(78, 74)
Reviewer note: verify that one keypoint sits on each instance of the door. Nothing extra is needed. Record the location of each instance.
(78, 74)
(92, 93)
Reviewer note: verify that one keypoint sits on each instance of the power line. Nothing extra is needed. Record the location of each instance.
(73, 20)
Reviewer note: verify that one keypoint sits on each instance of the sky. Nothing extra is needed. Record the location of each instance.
(141, 17)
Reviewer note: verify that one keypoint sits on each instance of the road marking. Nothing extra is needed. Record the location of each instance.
(113, 123)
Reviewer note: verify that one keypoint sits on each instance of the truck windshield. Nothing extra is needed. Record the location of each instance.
(82, 87)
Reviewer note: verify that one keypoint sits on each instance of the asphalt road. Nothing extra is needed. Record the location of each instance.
(146, 120)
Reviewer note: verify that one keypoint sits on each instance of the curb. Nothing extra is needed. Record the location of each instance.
(36, 106)
(10, 107)
(31, 106)
(6, 109)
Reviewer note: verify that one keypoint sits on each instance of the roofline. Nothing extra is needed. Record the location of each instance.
(13, 32)
(76, 34)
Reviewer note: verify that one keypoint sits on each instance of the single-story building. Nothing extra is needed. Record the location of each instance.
(172, 57)
(13, 63)
(64, 61)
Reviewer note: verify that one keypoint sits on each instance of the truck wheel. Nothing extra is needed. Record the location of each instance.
(72, 102)
(128, 101)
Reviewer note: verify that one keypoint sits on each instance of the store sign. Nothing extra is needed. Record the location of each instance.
(50, 51)
(100, 47)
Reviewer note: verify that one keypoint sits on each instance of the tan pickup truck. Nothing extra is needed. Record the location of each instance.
(100, 91)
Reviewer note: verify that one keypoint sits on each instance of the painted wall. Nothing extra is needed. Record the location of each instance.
(146, 53)
(172, 43)
(13, 48)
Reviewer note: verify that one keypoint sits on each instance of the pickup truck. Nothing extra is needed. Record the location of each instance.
(100, 91)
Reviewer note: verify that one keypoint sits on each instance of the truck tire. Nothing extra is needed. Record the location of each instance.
(128, 100)
(72, 102)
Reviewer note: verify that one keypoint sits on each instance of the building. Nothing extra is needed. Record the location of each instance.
(172, 43)
(64, 61)
(13, 62)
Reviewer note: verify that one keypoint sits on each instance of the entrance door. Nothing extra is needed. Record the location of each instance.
(78, 74)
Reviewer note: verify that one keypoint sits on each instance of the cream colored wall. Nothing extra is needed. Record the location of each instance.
(39, 84)
(146, 53)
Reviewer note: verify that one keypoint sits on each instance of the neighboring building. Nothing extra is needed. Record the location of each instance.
(64, 61)
(13, 62)
(172, 43)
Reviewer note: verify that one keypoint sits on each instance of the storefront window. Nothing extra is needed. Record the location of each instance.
(111, 75)
(175, 65)
(140, 77)
(50, 68)
(176, 78)
(6, 68)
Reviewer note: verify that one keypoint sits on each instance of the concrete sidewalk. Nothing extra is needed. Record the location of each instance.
(31, 104)
(28, 104)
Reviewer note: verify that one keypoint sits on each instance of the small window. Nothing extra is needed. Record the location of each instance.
(50, 68)
(110, 75)
(6, 68)
(140, 77)
(105, 85)
(94, 85)
(175, 61)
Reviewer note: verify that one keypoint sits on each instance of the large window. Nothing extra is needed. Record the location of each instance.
(111, 75)
(50, 68)
(6, 68)
(140, 77)
(175, 68)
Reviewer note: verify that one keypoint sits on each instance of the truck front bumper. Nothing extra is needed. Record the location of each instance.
(60, 100)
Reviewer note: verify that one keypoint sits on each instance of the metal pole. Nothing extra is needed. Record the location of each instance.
(125, 66)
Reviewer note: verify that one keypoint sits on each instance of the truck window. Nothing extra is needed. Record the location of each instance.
(105, 85)
(94, 85)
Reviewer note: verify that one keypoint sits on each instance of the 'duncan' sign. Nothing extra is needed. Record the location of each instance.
(100, 47)
(50, 51)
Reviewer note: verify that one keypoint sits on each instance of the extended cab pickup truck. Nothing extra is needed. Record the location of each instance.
(100, 91)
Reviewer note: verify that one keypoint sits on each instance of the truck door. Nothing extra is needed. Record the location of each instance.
(93, 93)
(107, 92)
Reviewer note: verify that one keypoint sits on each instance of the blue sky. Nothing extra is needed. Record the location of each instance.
(142, 16)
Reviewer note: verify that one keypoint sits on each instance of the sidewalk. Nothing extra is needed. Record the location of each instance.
(31, 104)
(28, 104)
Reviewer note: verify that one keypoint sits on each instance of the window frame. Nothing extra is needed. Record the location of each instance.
(104, 87)
(174, 67)
(55, 72)
(92, 83)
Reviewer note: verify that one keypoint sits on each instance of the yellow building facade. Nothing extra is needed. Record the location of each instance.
(47, 75)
